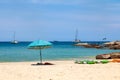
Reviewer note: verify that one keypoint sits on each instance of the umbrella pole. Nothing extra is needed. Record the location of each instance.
(40, 57)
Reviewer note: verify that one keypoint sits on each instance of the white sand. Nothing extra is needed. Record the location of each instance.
(62, 70)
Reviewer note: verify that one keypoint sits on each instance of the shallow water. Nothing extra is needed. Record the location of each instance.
(59, 51)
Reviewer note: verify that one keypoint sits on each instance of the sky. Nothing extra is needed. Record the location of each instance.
(58, 20)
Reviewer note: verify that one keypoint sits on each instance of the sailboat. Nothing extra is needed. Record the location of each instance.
(14, 41)
(76, 35)
(78, 42)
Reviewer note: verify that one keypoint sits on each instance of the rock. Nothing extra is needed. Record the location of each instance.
(86, 45)
(81, 44)
(95, 46)
(115, 55)
(103, 56)
(115, 47)
(112, 45)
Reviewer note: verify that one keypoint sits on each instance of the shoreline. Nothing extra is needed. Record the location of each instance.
(61, 70)
(65, 59)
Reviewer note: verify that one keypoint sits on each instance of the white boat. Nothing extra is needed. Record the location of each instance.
(14, 41)
(77, 41)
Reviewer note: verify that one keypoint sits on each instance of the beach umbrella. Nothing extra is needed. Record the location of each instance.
(38, 45)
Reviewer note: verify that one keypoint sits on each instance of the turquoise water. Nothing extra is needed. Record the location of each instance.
(59, 51)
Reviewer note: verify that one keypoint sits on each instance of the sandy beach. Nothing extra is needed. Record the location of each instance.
(61, 70)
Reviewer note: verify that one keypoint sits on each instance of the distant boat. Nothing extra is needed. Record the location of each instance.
(55, 41)
(14, 41)
(77, 41)
(104, 38)
(76, 36)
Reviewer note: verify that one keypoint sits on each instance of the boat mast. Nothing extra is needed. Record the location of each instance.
(14, 36)
(76, 35)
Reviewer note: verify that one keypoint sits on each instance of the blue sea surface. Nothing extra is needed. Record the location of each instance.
(59, 51)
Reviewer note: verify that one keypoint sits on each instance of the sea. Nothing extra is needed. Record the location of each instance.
(60, 50)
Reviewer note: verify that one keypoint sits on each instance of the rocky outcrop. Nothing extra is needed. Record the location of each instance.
(86, 45)
(93, 46)
(81, 44)
(115, 55)
(112, 45)
(103, 56)
(115, 45)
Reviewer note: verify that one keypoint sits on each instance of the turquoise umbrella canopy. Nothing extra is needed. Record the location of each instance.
(38, 45)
